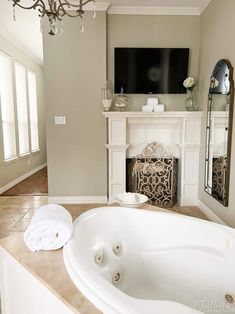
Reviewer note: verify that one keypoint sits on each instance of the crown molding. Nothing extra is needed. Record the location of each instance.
(204, 6)
(99, 6)
(144, 10)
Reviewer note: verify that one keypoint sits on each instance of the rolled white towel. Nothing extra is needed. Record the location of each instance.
(50, 228)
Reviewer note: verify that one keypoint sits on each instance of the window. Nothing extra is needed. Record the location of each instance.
(22, 109)
(24, 105)
(33, 110)
(7, 107)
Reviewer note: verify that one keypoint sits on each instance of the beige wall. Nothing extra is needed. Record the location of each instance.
(75, 66)
(217, 42)
(75, 71)
(17, 168)
(155, 31)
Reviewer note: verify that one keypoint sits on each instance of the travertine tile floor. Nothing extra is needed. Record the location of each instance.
(16, 212)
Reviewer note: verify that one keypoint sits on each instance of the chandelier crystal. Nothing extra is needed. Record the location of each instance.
(55, 10)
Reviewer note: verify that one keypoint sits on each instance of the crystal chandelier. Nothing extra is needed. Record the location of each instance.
(56, 10)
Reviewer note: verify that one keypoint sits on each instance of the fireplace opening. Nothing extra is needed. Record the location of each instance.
(153, 174)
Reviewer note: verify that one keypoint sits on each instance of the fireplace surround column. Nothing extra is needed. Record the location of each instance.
(117, 147)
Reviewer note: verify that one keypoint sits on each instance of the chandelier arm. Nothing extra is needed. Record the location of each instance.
(41, 10)
(80, 5)
(64, 12)
(61, 11)
(75, 15)
(86, 2)
(66, 2)
(37, 3)
(57, 9)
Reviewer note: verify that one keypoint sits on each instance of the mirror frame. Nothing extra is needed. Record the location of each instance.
(225, 202)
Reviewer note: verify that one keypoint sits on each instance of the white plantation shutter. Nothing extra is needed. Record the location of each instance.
(7, 107)
(22, 109)
(33, 110)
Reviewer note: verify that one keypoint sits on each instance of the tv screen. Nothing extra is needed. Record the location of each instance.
(151, 70)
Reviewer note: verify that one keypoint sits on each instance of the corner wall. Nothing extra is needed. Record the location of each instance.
(75, 71)
(17, 168)
(217, 42)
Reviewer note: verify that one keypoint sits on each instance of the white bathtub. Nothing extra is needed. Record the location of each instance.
(163, 263)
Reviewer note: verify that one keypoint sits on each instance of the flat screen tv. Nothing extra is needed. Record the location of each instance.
(151, 70)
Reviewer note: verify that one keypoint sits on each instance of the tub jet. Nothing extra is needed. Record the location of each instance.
(117, 248)
(99, 257)
(229, 298)
(116, 277)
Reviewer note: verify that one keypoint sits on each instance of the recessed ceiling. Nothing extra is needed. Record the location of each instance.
(25, 32)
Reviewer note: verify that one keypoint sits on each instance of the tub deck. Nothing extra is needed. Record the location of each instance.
(46, 266)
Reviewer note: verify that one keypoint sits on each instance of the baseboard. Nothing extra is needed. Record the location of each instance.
(188, 203)
(77, 199)
(21, 178)
(210, 214)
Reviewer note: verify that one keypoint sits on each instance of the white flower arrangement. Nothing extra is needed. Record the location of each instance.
(189, 83)
(214, 82)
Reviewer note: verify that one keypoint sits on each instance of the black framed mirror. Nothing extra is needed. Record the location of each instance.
(219, 131)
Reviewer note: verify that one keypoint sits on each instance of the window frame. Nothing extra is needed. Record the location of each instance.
(12, 77)
(26, 154)
(17, 155)
(33, 151)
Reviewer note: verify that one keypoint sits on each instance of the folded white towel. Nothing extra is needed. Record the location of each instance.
(147, 108)
(50, 228)
(159, 108)
(152, 101)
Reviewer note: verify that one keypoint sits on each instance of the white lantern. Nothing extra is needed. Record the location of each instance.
(107, 95)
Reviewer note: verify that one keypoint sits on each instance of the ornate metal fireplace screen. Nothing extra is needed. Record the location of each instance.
(154, 173)
(219, 167)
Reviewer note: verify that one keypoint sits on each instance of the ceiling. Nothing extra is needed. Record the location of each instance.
(25, 32)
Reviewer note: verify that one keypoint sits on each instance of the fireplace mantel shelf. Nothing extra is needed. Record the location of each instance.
(140, 114)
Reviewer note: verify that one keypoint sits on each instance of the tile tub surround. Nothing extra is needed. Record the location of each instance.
(48, 268)
(45, 266)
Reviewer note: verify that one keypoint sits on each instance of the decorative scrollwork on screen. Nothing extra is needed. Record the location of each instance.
(218, 177)
(154, 173)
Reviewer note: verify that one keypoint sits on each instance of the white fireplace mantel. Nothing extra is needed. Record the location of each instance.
(140, 114)
(178, 131)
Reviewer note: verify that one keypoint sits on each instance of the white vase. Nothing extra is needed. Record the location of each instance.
(107, 103)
